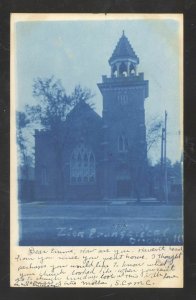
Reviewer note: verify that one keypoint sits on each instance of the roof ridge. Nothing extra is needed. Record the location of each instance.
(77, 107)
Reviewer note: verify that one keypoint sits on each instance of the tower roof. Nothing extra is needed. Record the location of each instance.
(123, 50)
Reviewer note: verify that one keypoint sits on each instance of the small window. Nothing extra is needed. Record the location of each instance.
(44, 179)
(122, 144)
(123, 99)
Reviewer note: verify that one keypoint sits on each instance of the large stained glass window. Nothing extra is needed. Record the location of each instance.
(82, 166)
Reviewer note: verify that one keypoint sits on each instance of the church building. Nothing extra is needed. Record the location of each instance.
(105, 158)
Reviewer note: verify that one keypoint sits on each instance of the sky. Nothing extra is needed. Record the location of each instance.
(77, 52)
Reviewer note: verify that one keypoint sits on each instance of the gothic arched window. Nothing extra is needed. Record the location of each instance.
(44, 178)
(122, 144)
(82, 166)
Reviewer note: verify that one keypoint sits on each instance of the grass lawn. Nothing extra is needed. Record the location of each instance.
(82, 224)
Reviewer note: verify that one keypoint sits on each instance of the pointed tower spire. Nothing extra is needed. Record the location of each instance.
(123, 60)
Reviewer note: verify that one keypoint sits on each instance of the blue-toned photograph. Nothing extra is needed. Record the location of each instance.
(99, 132)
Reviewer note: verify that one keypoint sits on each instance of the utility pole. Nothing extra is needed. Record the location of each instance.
(162, 144)
(161, 185)
(165, 161)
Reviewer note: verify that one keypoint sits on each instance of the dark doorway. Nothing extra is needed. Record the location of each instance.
(123, 188)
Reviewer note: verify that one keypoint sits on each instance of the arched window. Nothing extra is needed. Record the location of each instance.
(114, 71)
(123, 69)
(44, 178)
(122, 144)
(132, 70)
(82, 166)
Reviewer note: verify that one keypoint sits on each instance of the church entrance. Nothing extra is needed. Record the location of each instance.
(123, 188)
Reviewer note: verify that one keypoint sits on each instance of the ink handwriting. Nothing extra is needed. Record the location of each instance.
(98, 267)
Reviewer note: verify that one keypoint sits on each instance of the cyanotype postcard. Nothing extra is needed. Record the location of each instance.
(96, 150)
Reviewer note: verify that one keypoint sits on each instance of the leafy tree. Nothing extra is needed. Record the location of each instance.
(25, 153)
(81, 94)
(51, 112)
(22, 123)
(54, 103)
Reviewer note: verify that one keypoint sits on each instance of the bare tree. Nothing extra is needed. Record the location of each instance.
(153, 135)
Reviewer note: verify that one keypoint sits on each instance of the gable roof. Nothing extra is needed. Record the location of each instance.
(83, 109)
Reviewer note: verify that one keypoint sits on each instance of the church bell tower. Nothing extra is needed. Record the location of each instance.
(124, 133)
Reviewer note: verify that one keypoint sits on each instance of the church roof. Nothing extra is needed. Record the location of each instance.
(83, 108)
(123, 50)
